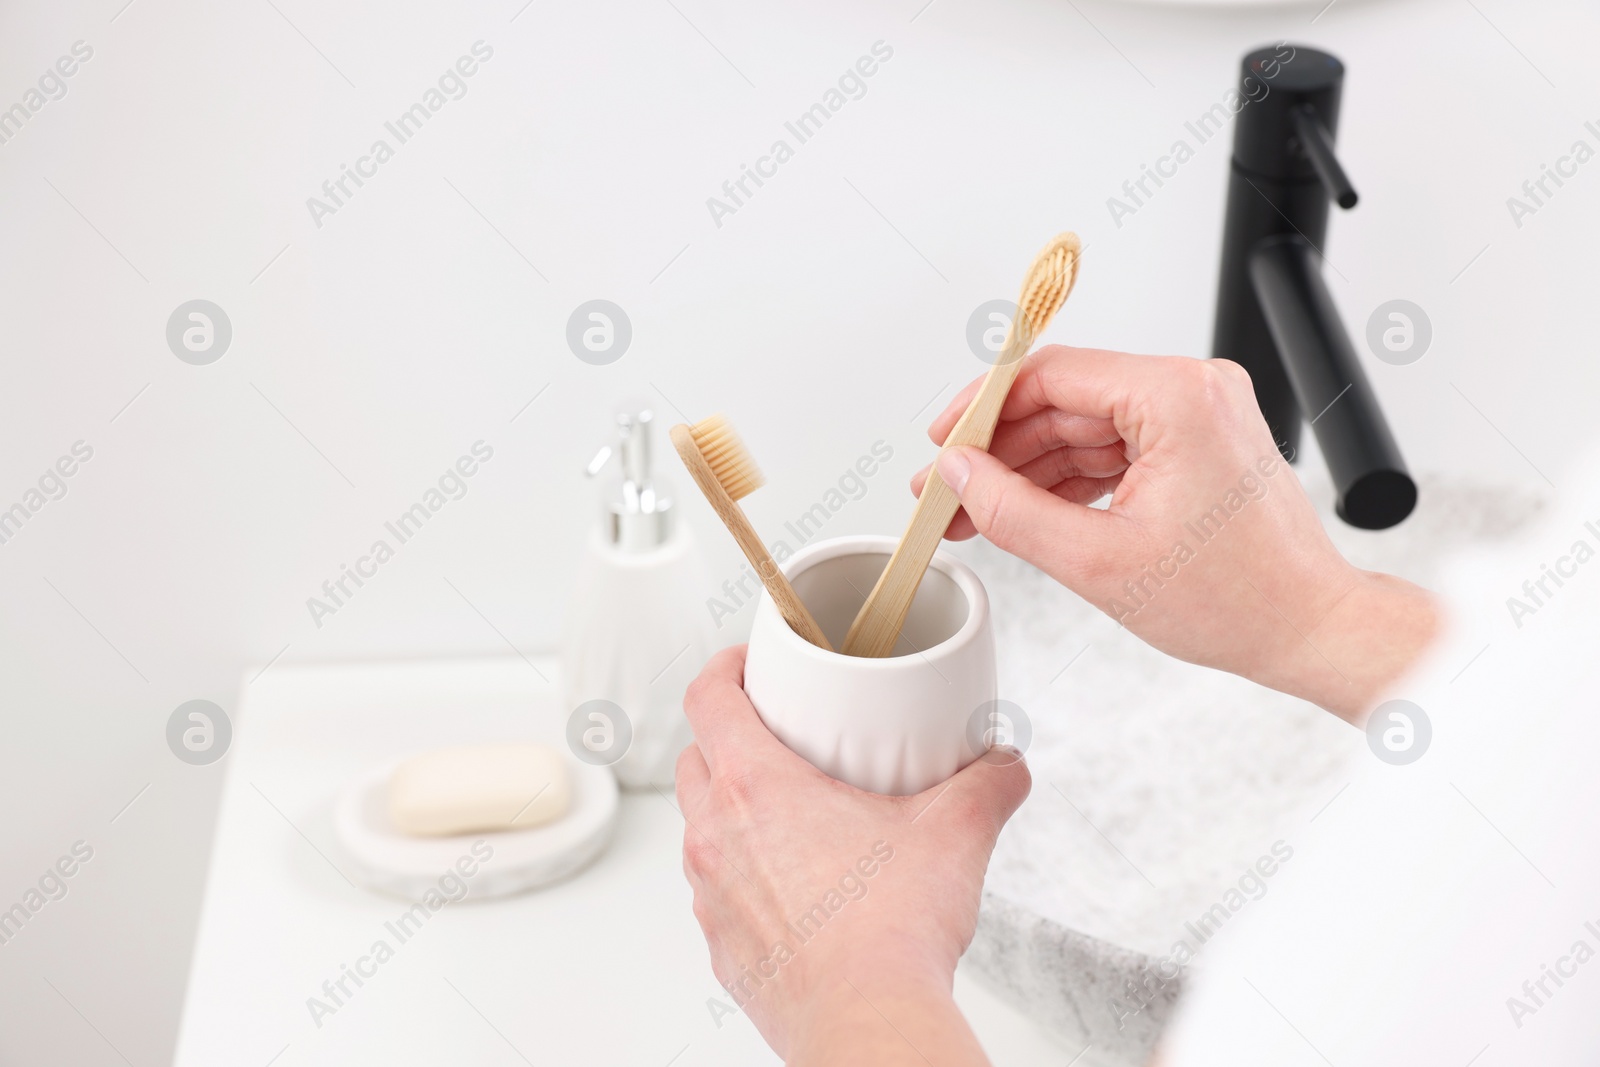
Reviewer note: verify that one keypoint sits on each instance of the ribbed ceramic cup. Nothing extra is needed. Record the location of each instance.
(896, 725)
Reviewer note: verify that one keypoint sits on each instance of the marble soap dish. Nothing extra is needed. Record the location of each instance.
(501, 863)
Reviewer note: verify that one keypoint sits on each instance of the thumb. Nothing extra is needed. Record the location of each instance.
(988, 790)
(1019, 516)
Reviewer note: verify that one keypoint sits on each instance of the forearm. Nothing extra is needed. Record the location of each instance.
(885, 1021)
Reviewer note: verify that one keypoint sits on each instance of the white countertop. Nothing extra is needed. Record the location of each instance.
(608, 967)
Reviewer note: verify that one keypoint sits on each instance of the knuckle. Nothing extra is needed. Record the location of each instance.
(1232, 371)
(1037, 434)
(1046, 432)
(698, 691)
(699, 854)
(740, 790)
(1063, 426)
(989, 511)
(1191, 373)
(685, 761)
(1049, 354)
(1214, 393)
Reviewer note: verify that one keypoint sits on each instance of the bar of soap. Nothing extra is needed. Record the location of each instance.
(475, 788)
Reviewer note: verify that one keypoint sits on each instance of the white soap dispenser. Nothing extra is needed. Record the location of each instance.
(637, 629)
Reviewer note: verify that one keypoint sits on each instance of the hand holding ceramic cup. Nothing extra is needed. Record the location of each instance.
(896, 725)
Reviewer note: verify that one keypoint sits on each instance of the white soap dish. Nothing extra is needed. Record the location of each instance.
(504, 863)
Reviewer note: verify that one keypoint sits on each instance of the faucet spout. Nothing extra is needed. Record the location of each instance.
(1275, 317)
(1369, 475)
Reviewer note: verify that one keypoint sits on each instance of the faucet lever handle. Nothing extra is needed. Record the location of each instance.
(1317, 143)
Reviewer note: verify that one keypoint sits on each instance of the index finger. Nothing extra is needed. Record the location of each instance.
(1097, 385)
(724, 721)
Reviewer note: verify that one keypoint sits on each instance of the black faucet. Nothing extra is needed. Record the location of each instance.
(1275, 316)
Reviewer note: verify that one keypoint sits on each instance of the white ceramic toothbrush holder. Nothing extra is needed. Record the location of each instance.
(896, 725)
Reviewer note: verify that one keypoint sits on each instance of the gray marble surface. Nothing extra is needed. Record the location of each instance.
(1161, 789)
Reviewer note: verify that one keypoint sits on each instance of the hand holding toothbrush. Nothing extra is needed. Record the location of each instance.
(1209, 549)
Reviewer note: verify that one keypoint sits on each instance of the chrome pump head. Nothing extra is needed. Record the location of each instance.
(636, 515)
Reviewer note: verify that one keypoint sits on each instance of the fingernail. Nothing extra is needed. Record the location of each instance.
(1005, 755)
(954, 469)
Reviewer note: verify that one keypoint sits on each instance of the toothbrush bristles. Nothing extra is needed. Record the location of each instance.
(1047, 285)
(728, 458)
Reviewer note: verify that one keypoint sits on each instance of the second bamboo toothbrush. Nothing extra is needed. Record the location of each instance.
(722, 468)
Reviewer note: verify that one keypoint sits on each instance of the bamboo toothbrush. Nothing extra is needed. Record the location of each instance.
(721, 466)
(877, 625)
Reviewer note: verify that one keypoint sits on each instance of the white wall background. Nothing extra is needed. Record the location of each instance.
(370, 352)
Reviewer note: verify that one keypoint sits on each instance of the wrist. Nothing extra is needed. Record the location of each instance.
(871, 968)
(868, 1013)
(1365, 632)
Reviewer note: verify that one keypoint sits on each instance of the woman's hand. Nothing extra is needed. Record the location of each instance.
(834, 917)
(1209, 550)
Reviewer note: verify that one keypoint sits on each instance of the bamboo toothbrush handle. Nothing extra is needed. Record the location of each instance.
(1045, 288)
(877, 625)
(788, 602)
